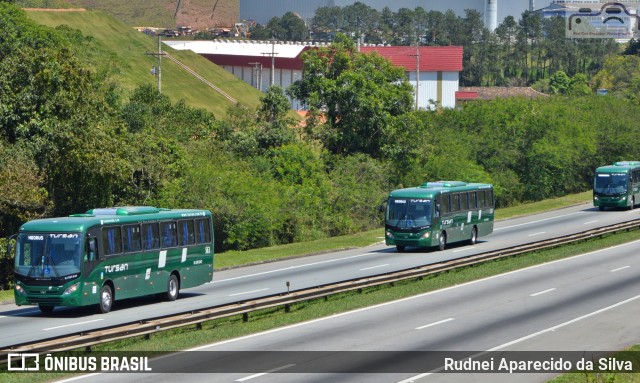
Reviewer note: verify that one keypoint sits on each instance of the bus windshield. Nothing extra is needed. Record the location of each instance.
(409, 212)
(48, 255)
(610, 183)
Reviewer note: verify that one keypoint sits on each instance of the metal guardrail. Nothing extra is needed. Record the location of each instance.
(103, 335)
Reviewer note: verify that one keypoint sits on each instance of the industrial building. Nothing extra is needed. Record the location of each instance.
(433, 71)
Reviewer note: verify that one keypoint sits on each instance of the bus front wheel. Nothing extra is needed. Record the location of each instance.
(400, 248)
(173, 288)
(106, 299)
(442, 241)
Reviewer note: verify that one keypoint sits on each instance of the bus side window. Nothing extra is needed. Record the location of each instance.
(464, 201)
(455, 202)
(445, 204)
(169, 235)
(489, 196)
(481, 199)
(150, 236)
(203, 231)
(131, 238)
(473, 200)
(185, 232)
(111, 240)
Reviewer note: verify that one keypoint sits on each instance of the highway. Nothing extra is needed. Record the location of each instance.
(22, 324)
(588, 302)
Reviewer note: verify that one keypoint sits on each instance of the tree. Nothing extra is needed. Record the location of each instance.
(559, 82)
(275, 126)
(358, 94)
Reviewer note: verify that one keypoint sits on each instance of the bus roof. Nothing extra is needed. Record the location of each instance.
(432, 189)
(619, 167)
(105, 216)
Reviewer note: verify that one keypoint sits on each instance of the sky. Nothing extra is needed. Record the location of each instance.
(505, 7)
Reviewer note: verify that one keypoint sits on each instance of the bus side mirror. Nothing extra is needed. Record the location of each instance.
(8, 249)
(382, 208)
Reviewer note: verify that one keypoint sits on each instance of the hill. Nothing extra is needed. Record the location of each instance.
(127, 49)
(200, 14)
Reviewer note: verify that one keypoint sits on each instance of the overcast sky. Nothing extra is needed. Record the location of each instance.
(505, 7)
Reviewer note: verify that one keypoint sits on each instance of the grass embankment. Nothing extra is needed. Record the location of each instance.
(128, 50)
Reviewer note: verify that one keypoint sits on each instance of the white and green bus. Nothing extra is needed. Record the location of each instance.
(438, 213)
(109, 254)
(617, 185)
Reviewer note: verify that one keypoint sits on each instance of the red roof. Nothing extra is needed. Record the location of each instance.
(432, 59)
(466, 95)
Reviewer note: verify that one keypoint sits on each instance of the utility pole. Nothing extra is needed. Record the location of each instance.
(417, 56)
(257, 67)
(157, 71)
(273, 60)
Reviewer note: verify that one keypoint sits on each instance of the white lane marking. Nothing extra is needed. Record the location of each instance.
(435, 323)
(620, 268)
(542, 292)
(527, 337)
(374, 267)
(264, 373)
(72, 324)
(539, 220)
(291, 268)
(79, 377)
(248, 292)
(541, 232)
(466, 248)
(313, 321)
(594, 221)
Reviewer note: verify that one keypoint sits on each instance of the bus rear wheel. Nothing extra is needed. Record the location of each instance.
(474, 236)
(173, 288)
(46, 309)
(442, 241)
(106, 299)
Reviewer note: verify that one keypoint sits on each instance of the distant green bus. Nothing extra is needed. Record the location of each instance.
(617, 185)
(438, 213)
(112, 253)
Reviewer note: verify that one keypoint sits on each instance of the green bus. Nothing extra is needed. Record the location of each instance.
(617, 185)
(112, 253)
(438, 213)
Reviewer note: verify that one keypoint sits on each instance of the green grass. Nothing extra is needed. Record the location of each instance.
(126, 49)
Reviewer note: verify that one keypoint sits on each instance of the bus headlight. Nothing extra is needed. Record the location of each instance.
(20, 290)
(426, 235)
(389, 234)
(71, 289)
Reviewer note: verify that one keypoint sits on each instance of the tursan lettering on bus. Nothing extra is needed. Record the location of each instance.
(116, 268)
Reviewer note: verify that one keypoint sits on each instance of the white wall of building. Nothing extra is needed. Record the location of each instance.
(261, 78)
(431, 84)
